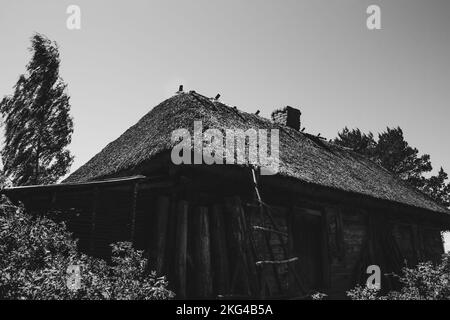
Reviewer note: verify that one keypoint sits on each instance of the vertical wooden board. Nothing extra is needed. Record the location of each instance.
(347, 237)
(134, 197)
(76, 210)
(292, 284)
(326, 278)
(112, 219)
(181, 248)
(95, 201)
(265, 274)
(171, 241)
(145, 223)
(418, 242)
(219, 252)
(250, 249)
(239, 281)
(335, 234)
(279, 248)
(307, 243)
(403, 235)
(202, 255)
(162, 212)
(433, 244)
(354, 232)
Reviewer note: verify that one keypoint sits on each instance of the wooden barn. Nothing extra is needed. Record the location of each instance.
(226, 231)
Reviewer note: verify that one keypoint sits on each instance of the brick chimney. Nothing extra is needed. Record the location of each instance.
(287, 116)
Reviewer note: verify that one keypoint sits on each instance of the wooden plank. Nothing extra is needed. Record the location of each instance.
(171, 237)
(181, 247)
(284, 261)
(162, 212)
(326, 263)
(418, 243)
(259, 228)
(247, 217)
(293, 286)
(133, 211)
(202, 253)
(93, 220)
(219, 251)
(239, 271)
(272, 258)
(53, 200)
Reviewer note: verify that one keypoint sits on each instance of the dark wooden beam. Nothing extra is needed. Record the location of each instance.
(181, 247)
(202, 253)
(219, 251)
(162, 214)
(133, 210)
(326, 263)
(239, 270)
(93, 220)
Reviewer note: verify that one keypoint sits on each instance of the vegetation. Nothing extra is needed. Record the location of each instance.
(37, 123)
(426, 281)
(38, 257)
(393, 152)
(35, 254)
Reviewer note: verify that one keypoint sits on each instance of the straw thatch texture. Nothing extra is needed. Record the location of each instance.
(302, 156)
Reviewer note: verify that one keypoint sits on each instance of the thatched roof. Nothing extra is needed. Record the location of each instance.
(302, 156)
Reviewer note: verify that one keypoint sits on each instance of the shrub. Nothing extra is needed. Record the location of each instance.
(318, 296)
(35, 253)
(426, 281)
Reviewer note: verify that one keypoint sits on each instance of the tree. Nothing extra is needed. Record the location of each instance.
(356, 140)
(394, 153)
(4, 183)
(437, 189)
(37, 123)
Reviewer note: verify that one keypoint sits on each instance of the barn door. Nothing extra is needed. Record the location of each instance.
(307, 245)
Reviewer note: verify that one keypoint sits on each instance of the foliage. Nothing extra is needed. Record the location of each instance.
(364, 293)
(395, 155)
(357, 140)
(35, 254)
(393, 152)
(318, 296)
(37, 123)
(426, 281)
(436, 188)
(4, 181)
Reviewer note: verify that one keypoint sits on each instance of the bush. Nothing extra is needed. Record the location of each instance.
(426, 281)
(35, 254)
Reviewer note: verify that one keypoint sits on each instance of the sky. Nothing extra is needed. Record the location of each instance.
(316, 55)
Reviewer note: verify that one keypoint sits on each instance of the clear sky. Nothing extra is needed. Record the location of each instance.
(316, 55)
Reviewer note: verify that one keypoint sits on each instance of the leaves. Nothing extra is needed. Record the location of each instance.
(36, 252)
(393, 152)
(38, 126)
(356, 140)
(437, 188)
(426, 281)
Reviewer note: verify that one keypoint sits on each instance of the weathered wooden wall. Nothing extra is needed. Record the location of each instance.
(206, 243)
